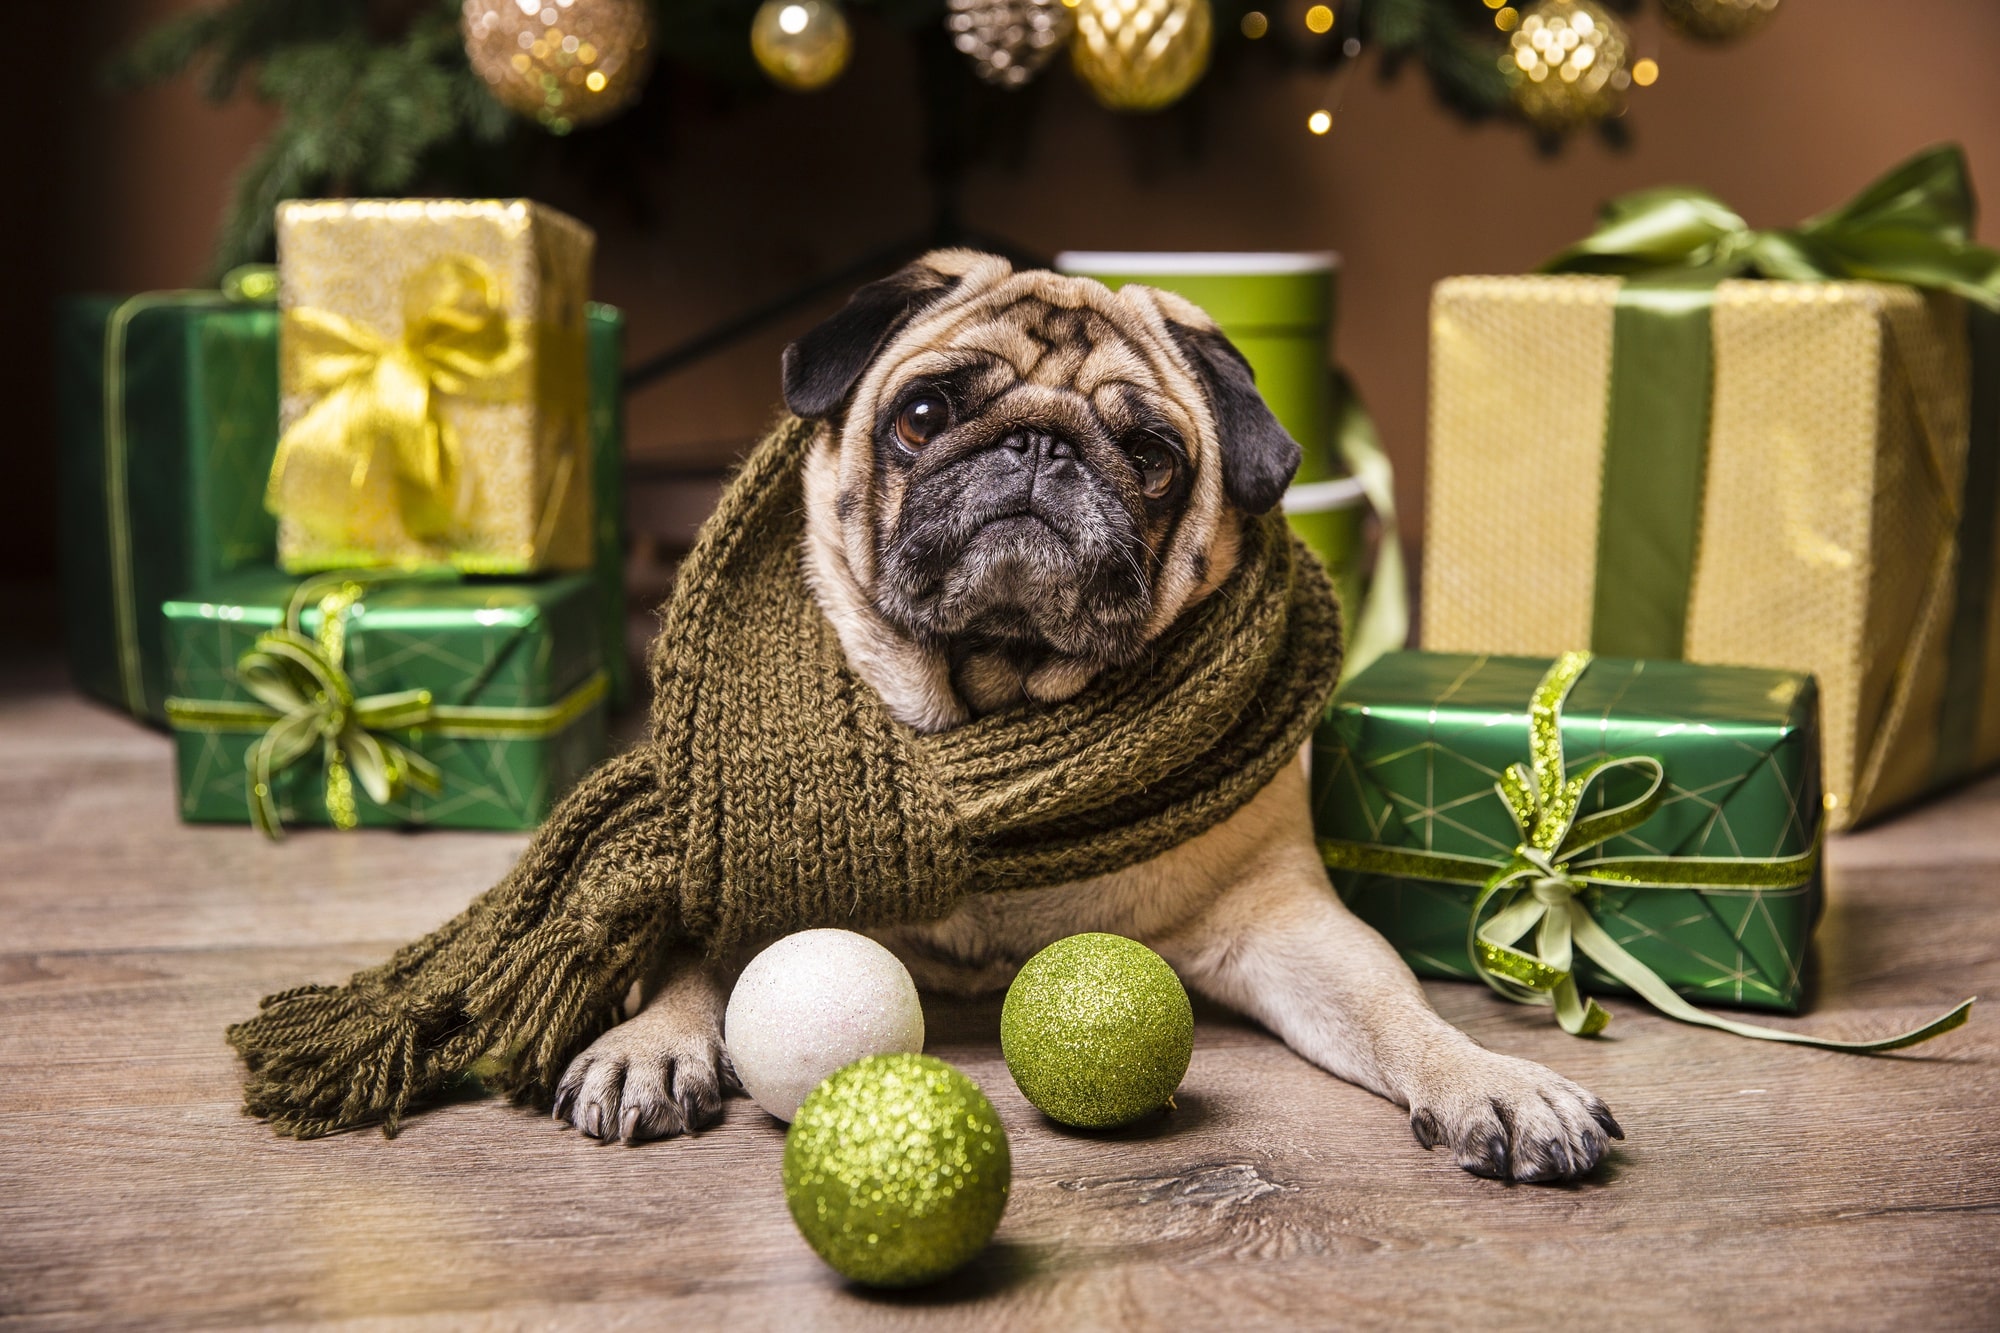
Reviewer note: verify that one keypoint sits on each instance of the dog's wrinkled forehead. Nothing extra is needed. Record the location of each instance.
(1054, 344)
(1055, 333)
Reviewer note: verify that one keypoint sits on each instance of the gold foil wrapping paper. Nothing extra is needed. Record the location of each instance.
(1829, 516)
(434, 403)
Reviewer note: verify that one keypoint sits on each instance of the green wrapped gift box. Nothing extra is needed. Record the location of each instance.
(168, 405)
(491, 694)
(1414, 757)
(168, 411)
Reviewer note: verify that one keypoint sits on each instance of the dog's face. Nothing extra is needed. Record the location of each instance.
(1030, 472)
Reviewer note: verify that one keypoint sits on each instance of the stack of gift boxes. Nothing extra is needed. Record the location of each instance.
(1710, 571)
(351, 529)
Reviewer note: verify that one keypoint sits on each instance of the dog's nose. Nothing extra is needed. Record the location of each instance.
(1039, 445)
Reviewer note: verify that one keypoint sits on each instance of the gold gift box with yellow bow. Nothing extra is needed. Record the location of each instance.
(433, 380)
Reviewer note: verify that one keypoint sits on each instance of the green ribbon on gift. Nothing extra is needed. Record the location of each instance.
(1547, 884)
(1673, 245)
(252, 284)
(306, 702)
(302, 680)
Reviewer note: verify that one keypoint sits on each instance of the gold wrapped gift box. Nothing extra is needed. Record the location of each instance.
(1829, 525)
(434, 386)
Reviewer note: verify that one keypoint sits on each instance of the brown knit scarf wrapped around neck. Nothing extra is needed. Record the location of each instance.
(777, 794)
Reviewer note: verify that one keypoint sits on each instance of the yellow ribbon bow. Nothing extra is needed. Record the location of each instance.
(1545, 886)
(302, 679)
(379, 401)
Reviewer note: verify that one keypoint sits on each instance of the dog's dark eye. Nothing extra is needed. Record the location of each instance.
(921, 419)
(1156, 468)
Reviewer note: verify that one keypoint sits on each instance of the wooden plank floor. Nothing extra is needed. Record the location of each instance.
(1759, 1185)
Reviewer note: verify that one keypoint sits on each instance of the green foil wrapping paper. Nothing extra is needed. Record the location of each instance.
(1410, 750)
(472, 645)
(173, 499)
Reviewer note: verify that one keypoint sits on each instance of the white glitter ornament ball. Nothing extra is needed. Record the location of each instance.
(814, 1003)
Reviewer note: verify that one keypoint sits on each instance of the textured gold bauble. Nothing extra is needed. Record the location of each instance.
(802, 44)
(1567, 64)
(1141, 55)
(1009, 40)
(563, 62)
(1717, 20)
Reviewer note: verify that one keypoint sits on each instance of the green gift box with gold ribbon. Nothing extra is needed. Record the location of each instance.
(377, 700)
(1689, 438)
(168, 416)
(1562, 827)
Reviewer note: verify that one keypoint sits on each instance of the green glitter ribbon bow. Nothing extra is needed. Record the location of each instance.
(301, 679)
(1913, 225)
(1546, 885)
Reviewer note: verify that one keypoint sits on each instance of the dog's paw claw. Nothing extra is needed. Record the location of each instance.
(1510, 1119)
(634, 1086)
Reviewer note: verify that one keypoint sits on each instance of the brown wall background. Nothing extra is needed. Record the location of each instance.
(123, 193)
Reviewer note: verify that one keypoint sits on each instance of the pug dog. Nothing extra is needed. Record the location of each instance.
(1019, 480)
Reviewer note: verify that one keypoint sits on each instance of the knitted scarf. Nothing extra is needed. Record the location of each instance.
(776, 794)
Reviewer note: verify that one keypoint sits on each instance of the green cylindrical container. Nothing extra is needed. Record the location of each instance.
(1278, 309)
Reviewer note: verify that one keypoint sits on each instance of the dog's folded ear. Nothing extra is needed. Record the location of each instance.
(1258, 455)
(823, 365)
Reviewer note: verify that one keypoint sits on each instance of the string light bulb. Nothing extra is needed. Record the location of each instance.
(1319, 19)
(1319, 122)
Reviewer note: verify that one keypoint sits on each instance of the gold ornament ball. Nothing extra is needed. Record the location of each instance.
(1141, 55)
(562, 62)
(897, 1170)
(802, 45)
(1717, 20)
(1567, 64)
(1009, 40)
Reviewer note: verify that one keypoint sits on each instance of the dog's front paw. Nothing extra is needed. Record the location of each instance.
(1512, 1119)
(643, 1080)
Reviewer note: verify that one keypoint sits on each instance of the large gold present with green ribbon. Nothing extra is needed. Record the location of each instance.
(357, 698)
(1557, 828)
(434, 374)
(1696, 440)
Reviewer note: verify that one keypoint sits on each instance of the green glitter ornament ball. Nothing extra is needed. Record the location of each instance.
(1097, 1030)
(896, 1170)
